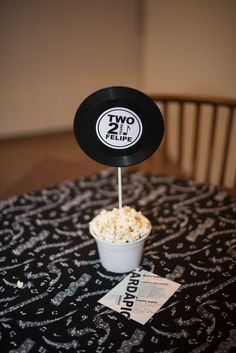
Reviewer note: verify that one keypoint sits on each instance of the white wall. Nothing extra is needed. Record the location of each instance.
(190, 47)
(56, 52)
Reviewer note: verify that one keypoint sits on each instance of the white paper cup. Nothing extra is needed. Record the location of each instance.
(117, 257)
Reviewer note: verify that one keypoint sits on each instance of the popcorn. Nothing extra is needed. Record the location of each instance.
(123, 226)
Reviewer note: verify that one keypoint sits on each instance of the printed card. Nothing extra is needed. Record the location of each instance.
(139, 295)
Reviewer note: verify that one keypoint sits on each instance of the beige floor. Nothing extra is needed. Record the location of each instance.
(24, 156)
(20, 155)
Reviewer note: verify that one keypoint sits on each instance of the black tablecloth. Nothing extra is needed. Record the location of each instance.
(51, 276)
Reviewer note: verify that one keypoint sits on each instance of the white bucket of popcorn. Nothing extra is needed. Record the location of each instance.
(120, 237)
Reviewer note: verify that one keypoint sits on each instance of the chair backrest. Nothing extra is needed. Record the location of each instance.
(200, 137)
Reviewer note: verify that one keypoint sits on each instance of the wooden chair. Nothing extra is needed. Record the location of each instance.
(200, 139)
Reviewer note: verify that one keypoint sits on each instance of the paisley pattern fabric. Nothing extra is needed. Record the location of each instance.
(51, 277)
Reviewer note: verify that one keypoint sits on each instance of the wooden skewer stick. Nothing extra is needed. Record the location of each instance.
(121, 210)
(120, 188)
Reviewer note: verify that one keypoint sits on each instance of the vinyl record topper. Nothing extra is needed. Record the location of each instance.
(118, 126)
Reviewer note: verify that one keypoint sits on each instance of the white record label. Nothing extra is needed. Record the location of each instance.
(119, 128)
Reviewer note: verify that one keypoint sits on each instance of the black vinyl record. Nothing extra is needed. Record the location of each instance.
(118, 126)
